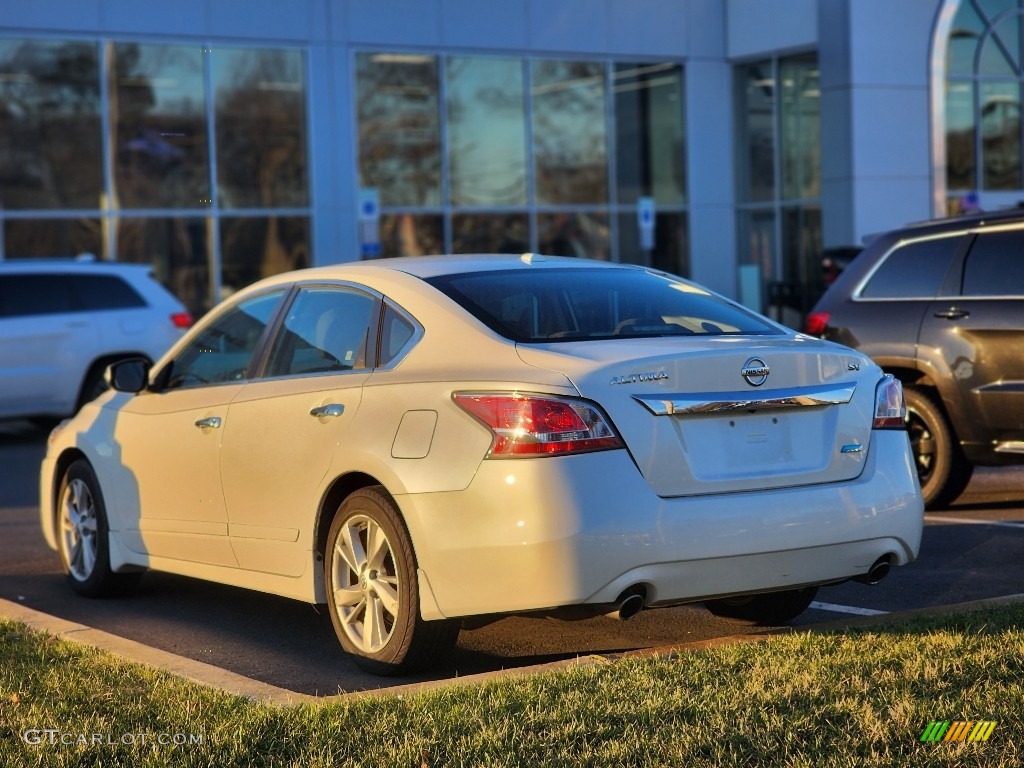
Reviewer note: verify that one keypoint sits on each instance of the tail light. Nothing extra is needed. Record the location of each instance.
(890, 409)
(182, 319)
(816, 323)
(539, 425)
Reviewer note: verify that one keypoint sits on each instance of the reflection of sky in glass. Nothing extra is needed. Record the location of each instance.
(487, 135)
(963, 39)
(1000, 50)
(277, 70)
(174, 75)
(63, 76)
(959, 106)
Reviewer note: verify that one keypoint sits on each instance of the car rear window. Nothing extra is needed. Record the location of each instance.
(106, 292)
(554, 304)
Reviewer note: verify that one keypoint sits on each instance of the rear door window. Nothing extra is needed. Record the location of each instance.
(995, 265)
(326, 330)
(42, 294)
(915, 270)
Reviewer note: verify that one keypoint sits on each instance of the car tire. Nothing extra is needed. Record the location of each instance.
(942, 469)
(764, 610)
(373, 589)
(83, 536)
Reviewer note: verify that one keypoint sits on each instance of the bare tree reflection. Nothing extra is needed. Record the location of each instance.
(569, 132)
(50, 145)
(399, 133)
(158, 127)
(261, 129)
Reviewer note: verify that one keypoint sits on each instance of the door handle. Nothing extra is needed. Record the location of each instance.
(953, 314)
(213, 422)
(333, 409)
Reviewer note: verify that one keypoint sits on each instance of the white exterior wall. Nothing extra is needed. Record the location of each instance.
(710, 179)
(759, 28)
(876, 130)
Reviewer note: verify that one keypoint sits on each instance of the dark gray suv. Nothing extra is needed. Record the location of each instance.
(941, 306)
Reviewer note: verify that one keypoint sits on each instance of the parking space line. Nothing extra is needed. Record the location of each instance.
(847, 609)
(970, 521)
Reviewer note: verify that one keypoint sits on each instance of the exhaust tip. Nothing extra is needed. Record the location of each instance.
(630, 607)
(629, 604)
(877, 572)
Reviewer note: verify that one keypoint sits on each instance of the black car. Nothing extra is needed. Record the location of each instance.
(940, 305)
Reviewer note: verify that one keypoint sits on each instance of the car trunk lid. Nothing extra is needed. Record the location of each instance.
(727, 413)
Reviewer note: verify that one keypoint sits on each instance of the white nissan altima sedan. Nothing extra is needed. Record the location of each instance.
(415, 441)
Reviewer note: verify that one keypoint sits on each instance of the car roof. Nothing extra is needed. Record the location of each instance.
(426, 267)
(970, 221)
(433, 266)
(55, 266)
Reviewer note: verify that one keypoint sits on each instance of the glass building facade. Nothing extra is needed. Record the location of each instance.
(483, 154)
(189, 157)
(778, 152)
(222, 142)
(984, 81)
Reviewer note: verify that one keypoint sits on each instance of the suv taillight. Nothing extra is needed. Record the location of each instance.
(816, 323)
(182, 319)
(539, 425)
(890, 409)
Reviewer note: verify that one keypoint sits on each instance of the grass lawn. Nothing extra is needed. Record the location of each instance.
(862, 698)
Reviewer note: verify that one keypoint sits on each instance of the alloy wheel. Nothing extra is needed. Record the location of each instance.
(79, 529)
(365, 584)
(922, 444)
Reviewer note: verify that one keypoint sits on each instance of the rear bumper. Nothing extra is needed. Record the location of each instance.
(545, 533)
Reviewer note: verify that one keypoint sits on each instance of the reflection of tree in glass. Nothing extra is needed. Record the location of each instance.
(580, 234)
(960, 159)
(256, 247)
(490, 233)
(407, 234)
(159, 126)
(177, 250)
(261, 129)
(399, 134)
(49, 125)
(569, 132)
(262, 161)
(486, 131)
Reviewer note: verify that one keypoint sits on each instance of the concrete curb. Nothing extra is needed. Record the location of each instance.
(230, 682)
(190, 669)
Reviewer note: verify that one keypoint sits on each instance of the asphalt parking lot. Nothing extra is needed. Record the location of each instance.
(970, 552)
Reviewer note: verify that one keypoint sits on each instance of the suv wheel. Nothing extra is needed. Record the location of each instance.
(941, 467)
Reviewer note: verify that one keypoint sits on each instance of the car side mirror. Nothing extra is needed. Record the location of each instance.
(129, 375)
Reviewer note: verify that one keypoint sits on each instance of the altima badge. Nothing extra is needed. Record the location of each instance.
(755, 371)
(633, 378)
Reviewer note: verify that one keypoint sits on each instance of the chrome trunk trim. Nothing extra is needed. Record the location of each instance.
(724, 402)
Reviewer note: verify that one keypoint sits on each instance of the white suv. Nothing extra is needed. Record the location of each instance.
(63, 322)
